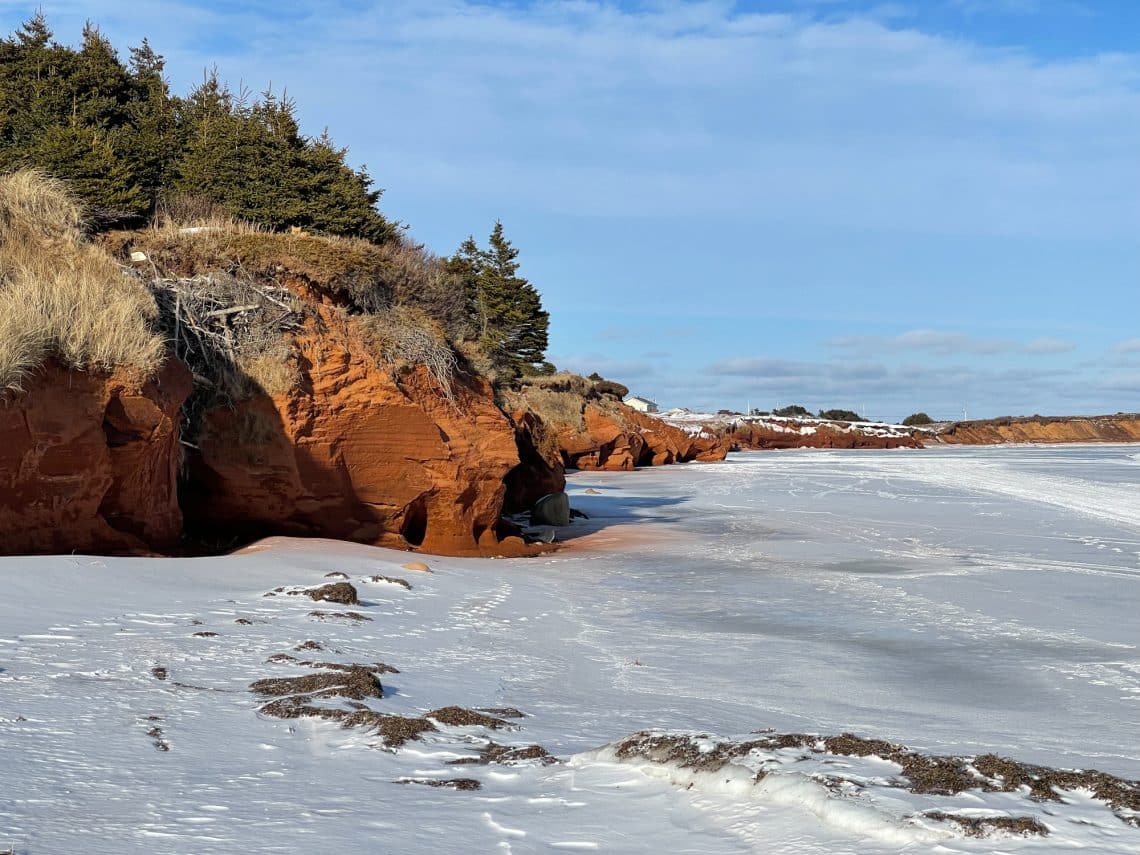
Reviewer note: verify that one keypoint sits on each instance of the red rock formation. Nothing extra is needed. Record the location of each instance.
(539, 471)
(89, 462)
(667, 444)
(746, 436)
(620, 438)
(1118, 428)
(355, 454)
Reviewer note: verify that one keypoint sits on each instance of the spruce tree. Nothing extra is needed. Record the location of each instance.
(152, 113)
(119, 136)
(505, 309)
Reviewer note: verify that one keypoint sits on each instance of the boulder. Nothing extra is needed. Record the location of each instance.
(553, 509)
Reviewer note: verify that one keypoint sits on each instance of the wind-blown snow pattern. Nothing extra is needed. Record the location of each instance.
(958, 601)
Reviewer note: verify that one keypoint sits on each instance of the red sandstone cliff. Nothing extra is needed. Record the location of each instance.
(1118, 428)
(352, 452)
(540, 470)
(89, 462)
(747, 436)
(617, 437)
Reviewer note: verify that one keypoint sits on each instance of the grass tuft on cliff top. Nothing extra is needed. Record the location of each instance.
(560, 400)
(355, 274)
(61, 296)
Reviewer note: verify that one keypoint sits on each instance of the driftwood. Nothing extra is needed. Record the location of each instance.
(215, 320)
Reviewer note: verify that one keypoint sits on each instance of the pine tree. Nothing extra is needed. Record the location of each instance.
(342, 199)
(119, 136)
(66, 111)
(156, 138)
(505, 309)
(34, 71)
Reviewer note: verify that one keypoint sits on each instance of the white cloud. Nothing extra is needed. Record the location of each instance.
(1049, 346)
(678, 109)
(1132, 345)
(938, 342)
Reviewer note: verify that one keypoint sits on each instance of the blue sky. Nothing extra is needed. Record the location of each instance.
(883, 206)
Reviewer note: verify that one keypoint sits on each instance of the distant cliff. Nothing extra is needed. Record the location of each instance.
(763, 433)
(1119, 428)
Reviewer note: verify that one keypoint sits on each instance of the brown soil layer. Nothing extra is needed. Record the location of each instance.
(375, 667)
(403, 583)
(507, 755)
(355, 616)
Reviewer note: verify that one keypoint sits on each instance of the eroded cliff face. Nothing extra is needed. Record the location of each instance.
(1119, 428)
(352, 452)
(89, 462)
(539, 471)
(617, 437)
(758, 437)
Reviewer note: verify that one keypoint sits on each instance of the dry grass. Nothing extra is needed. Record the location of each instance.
(61, 296)
(560, 400)
(563, 381)
(273, 368)
(555, 408)
(403, 337)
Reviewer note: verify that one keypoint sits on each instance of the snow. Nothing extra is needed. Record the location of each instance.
(700, 423)
(959, 601)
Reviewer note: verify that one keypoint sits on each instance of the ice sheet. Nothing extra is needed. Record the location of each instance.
(959, 601)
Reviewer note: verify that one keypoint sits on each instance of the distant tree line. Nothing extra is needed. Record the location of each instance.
(125, 144)
(129, 148)
(797, 411)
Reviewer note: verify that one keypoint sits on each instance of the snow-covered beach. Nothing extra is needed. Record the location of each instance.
(957, 601)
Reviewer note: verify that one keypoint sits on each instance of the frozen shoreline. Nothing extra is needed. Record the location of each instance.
(939, 602)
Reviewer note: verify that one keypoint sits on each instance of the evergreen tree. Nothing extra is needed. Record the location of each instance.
(505, 309)
(152, 114)
(119, 136)
(33, 96)
(342, 199)
(253, 160)
(65, 111)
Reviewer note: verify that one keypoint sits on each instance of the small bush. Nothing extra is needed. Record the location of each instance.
(417, 278)
(272, 368)
(916, 419)
(841, 416)
(791, 410)
(611, 389)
